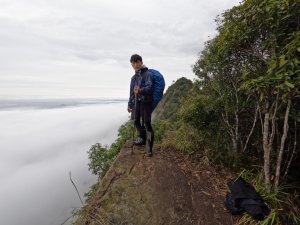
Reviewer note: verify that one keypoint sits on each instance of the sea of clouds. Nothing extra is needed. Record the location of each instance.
(39, 144)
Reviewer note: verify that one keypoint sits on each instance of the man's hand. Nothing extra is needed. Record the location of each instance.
(129, 110)
(136, 90)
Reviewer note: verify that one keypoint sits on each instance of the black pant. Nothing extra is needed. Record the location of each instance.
(142, 118)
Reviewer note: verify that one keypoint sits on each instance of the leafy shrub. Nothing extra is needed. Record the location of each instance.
(160, 127)
(187, 139)
(101, 156)
(99, 159)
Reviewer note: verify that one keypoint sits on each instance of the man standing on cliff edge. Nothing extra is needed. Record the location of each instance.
(141, 88)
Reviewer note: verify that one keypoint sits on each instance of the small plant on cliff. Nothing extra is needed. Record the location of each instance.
(101, 156)
(99, 159)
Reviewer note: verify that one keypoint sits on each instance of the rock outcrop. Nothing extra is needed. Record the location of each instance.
(168, 188)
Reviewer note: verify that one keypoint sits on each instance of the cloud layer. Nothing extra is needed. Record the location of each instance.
(38, 149)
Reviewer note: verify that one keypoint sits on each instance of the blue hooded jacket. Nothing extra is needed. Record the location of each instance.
(144, 80)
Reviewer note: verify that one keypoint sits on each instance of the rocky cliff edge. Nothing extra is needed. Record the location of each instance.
(168, 188)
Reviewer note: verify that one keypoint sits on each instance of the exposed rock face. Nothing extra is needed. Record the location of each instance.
(164, 189)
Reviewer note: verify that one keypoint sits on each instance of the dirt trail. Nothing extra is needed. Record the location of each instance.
(168, 188)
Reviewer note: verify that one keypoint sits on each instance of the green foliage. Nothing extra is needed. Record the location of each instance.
(254, 59)
(200, 111)
(101, 157)
(160, 127)
(124, 134)
(201, 128)
(92, 191)
(271, 33)
(187, 139)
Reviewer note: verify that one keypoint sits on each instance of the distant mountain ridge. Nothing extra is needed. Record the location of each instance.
(53, 103)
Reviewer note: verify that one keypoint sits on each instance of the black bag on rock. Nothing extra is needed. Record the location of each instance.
(244, 198)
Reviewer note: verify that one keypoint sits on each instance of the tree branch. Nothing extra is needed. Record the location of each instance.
(252, 129)
(283, 138)
(75, 188)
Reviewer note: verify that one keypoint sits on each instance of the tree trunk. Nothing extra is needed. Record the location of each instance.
(267, 147)
(267, 144)
(283, 138)
(236, 131)
(234, 145)
(294, 149)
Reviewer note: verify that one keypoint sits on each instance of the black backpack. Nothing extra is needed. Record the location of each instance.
(244, 198)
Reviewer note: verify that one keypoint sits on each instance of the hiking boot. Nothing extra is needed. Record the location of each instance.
(149, 152)
(149, 145)
(140, 141)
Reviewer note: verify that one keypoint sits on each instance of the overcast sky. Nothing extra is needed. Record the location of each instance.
(76, 48)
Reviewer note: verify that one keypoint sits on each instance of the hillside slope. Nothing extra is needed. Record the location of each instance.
(169, 188)
(168, 106)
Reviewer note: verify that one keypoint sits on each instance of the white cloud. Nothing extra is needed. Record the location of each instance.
(90, 42)
(38, 149)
